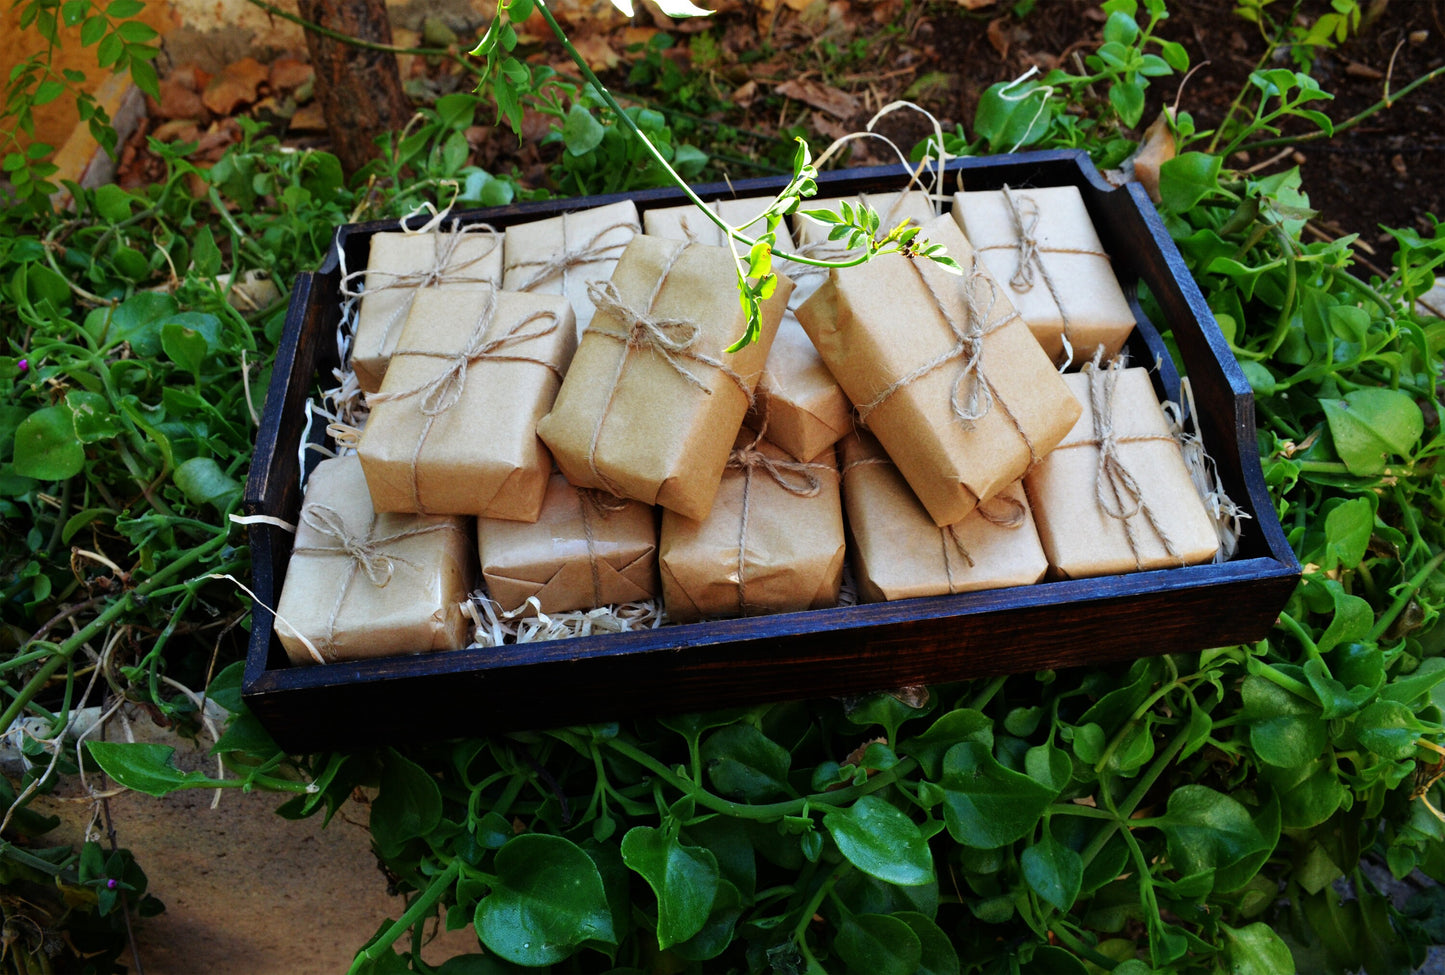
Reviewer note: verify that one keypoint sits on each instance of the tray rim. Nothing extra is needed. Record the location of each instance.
(264, 685)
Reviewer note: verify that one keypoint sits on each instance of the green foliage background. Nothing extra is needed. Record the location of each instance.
(1188, 812)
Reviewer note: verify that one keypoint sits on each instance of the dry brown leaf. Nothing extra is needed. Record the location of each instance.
(837, 103)
(975, 4)
(1156, 149)
(235, 86)
(637, 35)
(177, 130)
(308, 118)
(179, 101)
(745, 94)
(1357, 70)
(999, 35)
(823, 125)
(288, 72)
(597, 52)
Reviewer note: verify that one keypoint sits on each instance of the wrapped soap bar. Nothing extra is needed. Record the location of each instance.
(1042, 245)
(773, 542)
(587, 549)
(560, 255)
(453, 430)
(803, 408)
(402, 266)
(1115, 496)
(943, 371)
(899, 552)
(362, 584)
(652, 401)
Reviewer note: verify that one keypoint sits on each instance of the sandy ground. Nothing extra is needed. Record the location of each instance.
(247, 892)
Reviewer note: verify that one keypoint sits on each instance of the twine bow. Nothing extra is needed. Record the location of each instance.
(797, 478)
(671, 339)
(590, 251)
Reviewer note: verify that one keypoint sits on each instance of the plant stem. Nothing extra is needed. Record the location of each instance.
(1383, 103)
(419, 907)
(1407, 593)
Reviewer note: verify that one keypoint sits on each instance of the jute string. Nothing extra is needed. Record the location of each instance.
(978, 392)
(1024, 213)
(444, 390)
(670, 339)
(590, 251)
(1116, 490)
(444, 268)
(795, 477)
(364, 553)
(603, 504)
(1003, 511)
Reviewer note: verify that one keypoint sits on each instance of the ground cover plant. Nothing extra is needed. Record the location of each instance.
(1208, 811)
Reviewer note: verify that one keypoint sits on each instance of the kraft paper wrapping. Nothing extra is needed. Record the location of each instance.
(772, 544)
(1115, 495)
(586, 550)
(362, 584)
(944, 372)
(559, 255)
(803, 407)
(453, 430)
(898, 551)
(1042, 245)
(402, 266)
(652, 403)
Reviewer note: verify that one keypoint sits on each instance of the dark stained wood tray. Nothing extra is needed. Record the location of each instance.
(819, 653)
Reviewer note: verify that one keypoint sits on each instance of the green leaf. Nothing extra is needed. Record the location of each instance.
(744, 763)
(113, 203)
(408, 804)
(203, 481)
(47, 91)
(184, 346)
(1389, 729)
(1127, 98)
(581, 133)
(986, 805)
(879, 839)
(1369, 425)
(1054, 871)
(137, 320)
(717, 932)
(1283, 729)
(204, 253)
(1348, 527)
(143, 767)
(878, 944)
(684, 878)
(961, 724)
(1188, 178)
(548, 901)
(46, 446)
(92, 415)
(938, 954)
(1209, 831)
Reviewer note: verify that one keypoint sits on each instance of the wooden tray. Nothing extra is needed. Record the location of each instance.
(819, 653)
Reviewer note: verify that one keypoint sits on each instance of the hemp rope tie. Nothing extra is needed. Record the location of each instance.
(671, 339)
(363, 553)
(602, 504)
(444, 390)
(968, 346)
(795, 477)
(1124, 498)
(1031, 264)
(443, 270)
(989, 511)
(590, 251)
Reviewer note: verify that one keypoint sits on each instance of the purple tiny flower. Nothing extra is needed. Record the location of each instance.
(111, 883)
(23, 364)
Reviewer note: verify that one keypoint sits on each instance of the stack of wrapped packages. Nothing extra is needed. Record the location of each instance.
(562, 394)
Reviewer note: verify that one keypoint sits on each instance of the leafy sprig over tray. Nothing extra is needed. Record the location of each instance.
(1215, 811)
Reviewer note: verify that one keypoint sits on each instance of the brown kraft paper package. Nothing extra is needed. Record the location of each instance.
(361, 584)
(943, 371)
(402, 266)
(1115, 496)
(773, 542)
(453, 430)
(898, 551)
(588, 549)
(652, 401)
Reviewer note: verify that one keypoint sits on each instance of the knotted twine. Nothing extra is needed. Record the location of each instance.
(1024, 213)
(603, 504)
(364, 553)
(444, 390)
(590, 251)
(671, 339)
(443, 269)
(1003, 511)
(968, 345)
(1116, 490)
(797, 478)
